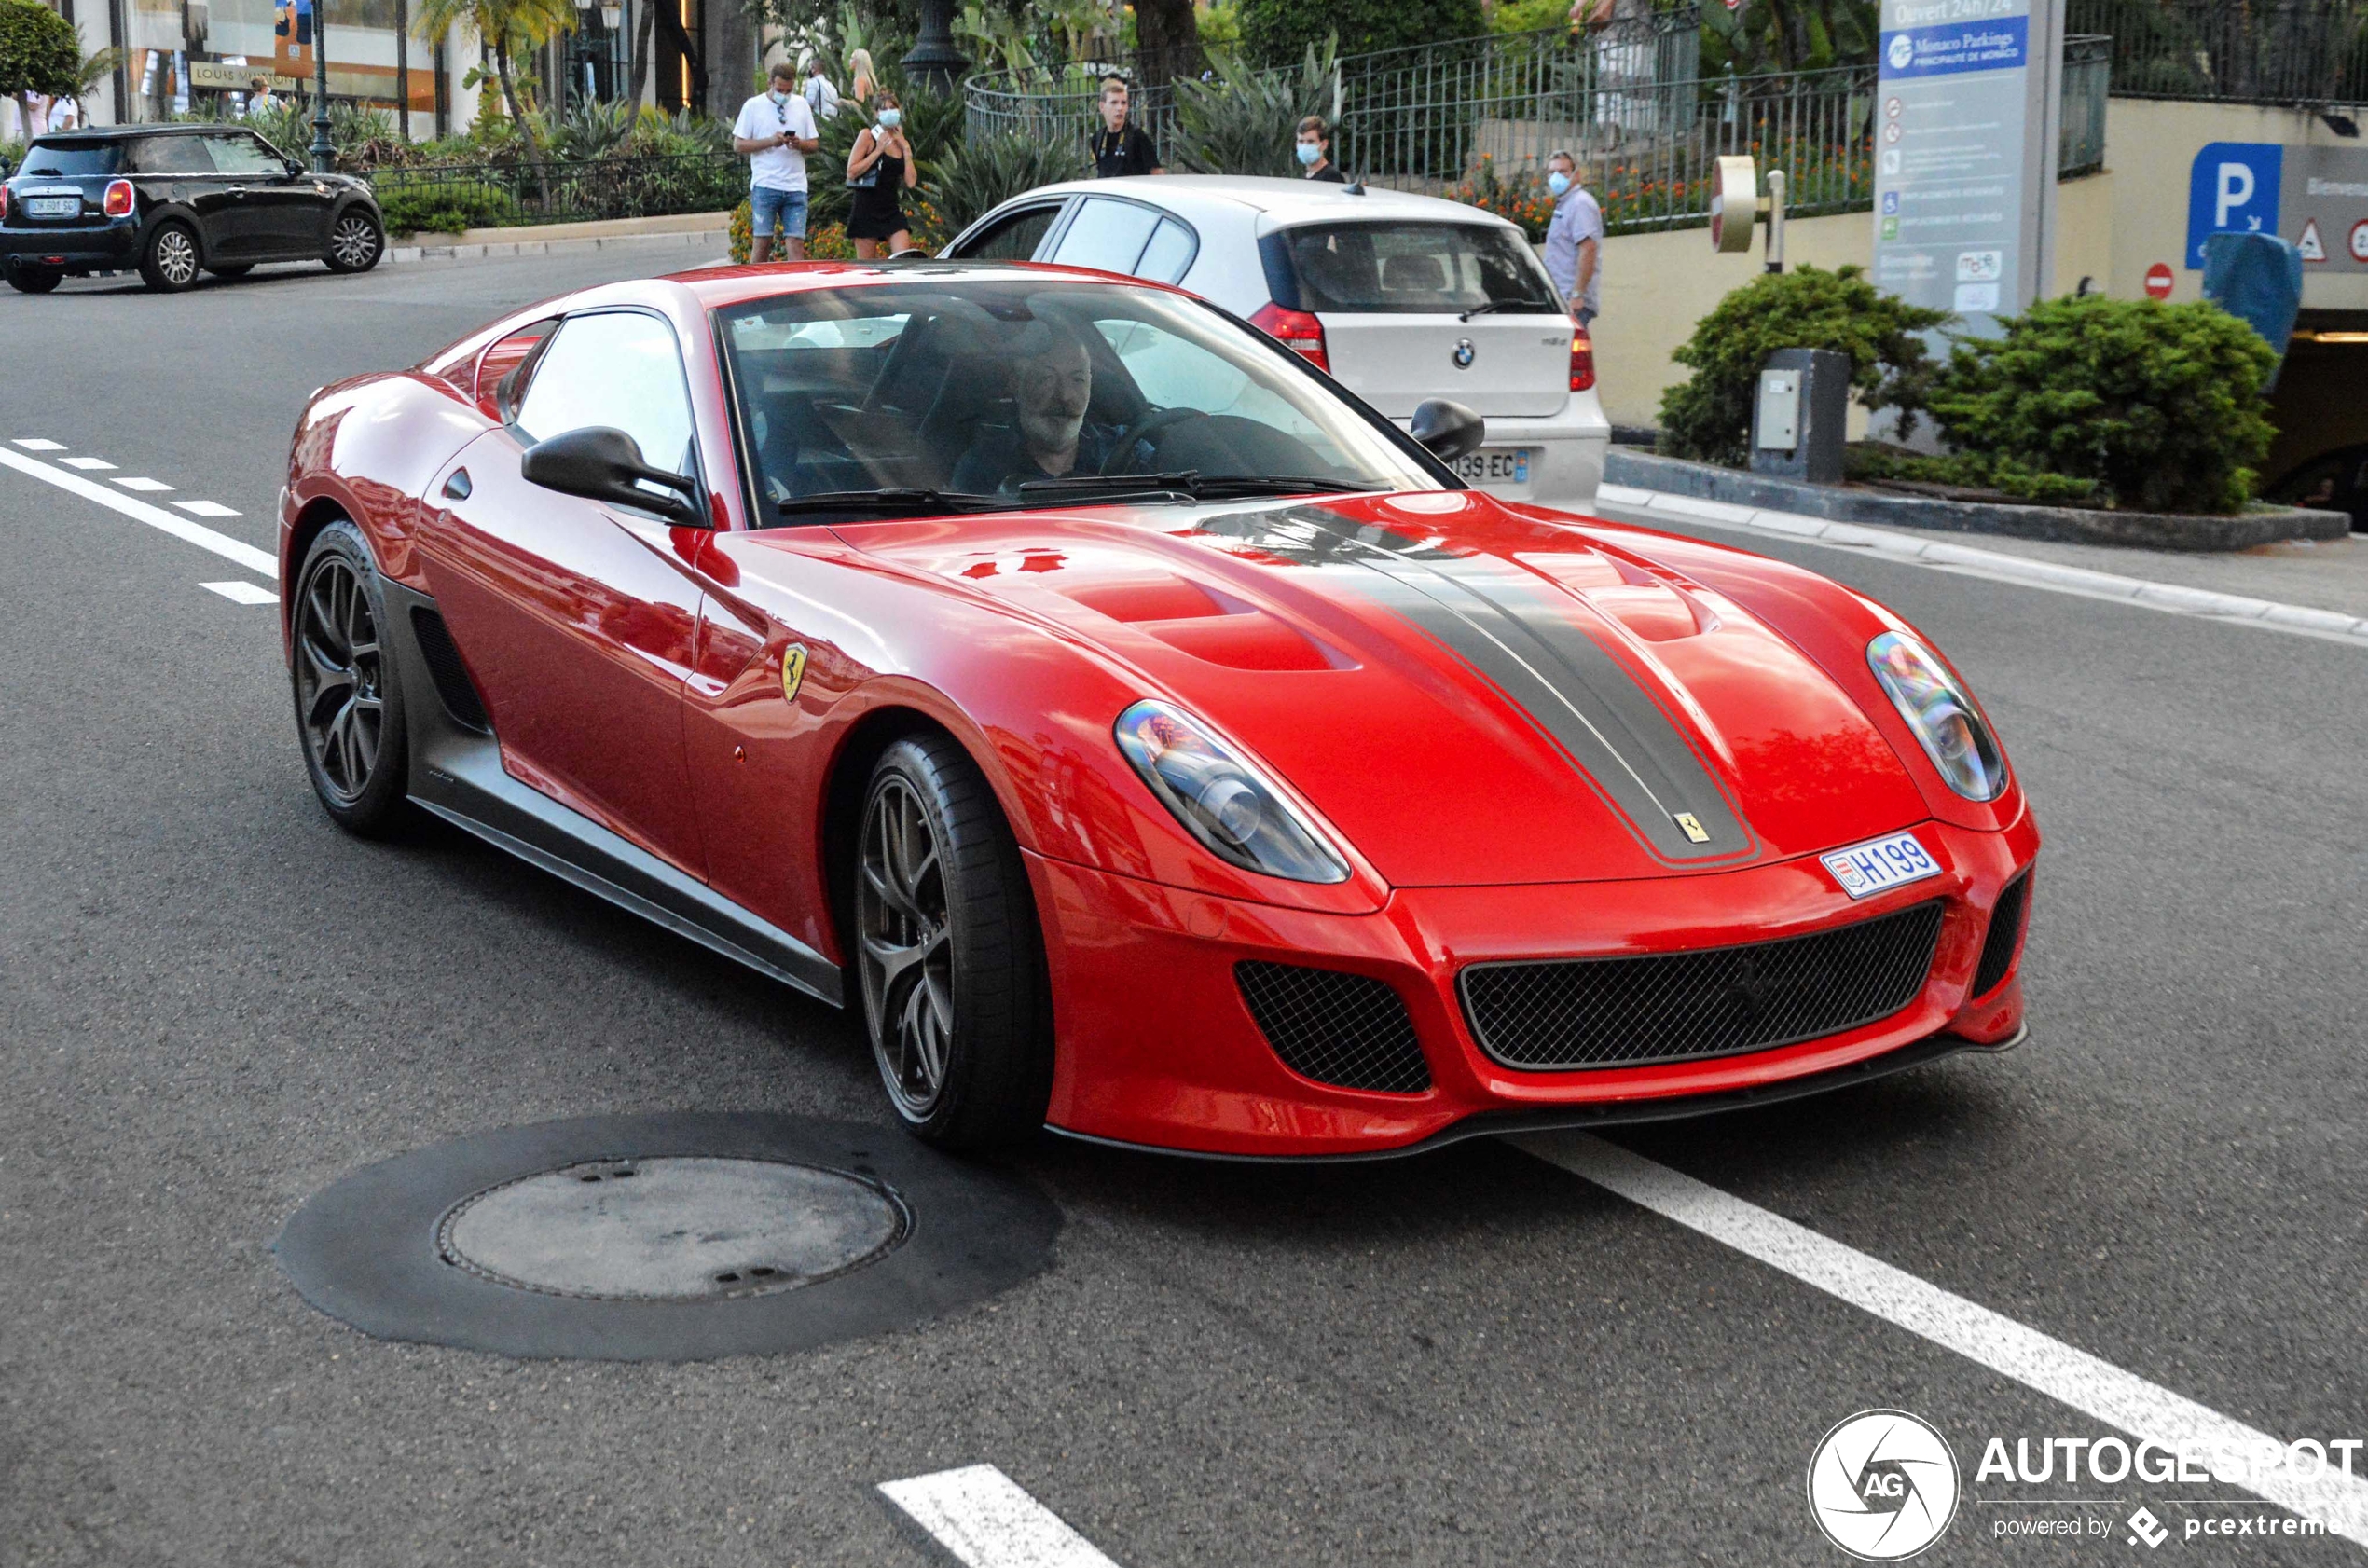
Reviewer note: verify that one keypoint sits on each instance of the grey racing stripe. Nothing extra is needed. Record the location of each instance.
(1524, 639)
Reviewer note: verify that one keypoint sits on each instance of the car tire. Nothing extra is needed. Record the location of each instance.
(348, 698)
(35, 280)
(233, 269)
(169, 262)
(949, 958)
(357, 241)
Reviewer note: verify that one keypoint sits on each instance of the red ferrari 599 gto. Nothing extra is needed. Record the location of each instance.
(1153, 741)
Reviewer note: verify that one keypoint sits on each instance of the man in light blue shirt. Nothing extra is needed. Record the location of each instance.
(1575, 239)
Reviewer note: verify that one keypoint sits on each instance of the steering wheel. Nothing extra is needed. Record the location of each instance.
(1133, 436)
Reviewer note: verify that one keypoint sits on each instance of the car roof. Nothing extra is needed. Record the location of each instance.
(1285, 201)
(127, 132)
(720, 287)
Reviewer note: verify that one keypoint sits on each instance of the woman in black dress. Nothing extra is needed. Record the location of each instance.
(879, 171)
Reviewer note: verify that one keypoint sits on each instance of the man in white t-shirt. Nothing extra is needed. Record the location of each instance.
(775, 132)
(820, 96)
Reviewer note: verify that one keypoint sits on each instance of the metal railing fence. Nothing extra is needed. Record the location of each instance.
(2245, 51)
(497, 195)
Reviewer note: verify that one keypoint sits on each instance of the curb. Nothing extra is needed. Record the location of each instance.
(2300, 619)
(677, 239)
(2065, 525)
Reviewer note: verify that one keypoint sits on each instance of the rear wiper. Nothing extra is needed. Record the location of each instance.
(893, 499)
(1485, 308)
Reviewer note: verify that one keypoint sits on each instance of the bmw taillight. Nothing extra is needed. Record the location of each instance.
(118, 199)
(1582, 360)
(1296, 330)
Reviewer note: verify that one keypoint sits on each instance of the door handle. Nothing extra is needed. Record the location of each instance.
(457, 487)
(238, 190)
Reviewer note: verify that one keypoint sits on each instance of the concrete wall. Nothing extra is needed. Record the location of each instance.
(1656, 286)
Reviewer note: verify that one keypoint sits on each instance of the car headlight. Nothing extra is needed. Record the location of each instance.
(1939, 708)
(1221, 798)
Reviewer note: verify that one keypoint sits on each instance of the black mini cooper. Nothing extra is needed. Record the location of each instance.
(175, 200)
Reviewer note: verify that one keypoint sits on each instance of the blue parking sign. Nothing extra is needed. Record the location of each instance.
(2232, 190)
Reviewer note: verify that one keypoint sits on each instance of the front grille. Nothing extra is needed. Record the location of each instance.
(1348, 1029)
(451, 676)
(1677, 1007)
(2005, 937)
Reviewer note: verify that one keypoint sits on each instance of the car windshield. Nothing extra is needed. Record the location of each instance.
(936, 390)
(73, 159)
(1361, 268)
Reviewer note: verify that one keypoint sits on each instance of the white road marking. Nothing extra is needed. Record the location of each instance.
(1943, 555)
(986, 1520)
(2071, 1376)
(88, 465)
(146, 487)
(259, 561)
(36, 444)
(206, 509)
(242, 592)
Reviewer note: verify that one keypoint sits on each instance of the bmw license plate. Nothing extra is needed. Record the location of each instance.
(52, 206)
(1497, 467)
(1870, 868)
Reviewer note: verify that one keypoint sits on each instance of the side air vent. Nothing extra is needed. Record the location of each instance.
(1348, 1029)
(2005, 937)
(451, 676)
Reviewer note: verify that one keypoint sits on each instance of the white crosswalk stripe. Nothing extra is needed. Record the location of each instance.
(988, 1520)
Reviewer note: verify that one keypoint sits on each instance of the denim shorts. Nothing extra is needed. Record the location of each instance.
(769, 208)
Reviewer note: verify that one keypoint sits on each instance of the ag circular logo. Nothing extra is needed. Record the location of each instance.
(1903, 52)
(1882, 1485)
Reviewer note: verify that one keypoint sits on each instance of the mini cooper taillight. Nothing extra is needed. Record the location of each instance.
(118, 203)
(4, 202)
(1296, 330)
(1582, 360)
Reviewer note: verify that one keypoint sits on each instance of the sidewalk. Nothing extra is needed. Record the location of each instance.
(699, 233)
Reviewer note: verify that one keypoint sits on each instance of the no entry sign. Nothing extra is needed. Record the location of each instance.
(2158, 281)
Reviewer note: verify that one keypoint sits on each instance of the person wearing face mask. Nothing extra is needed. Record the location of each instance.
(1315, 151)
(775, 132)
(1575, 239)
(879, 171)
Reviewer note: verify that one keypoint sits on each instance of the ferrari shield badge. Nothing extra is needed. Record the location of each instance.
(792, 669)
(1692, 828)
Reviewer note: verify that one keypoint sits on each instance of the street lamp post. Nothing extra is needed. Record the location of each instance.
(935, 59)
(325, 156)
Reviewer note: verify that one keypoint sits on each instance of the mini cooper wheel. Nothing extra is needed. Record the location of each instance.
(355, 242)
(349, 703)
(169, 264)
(949, 957)
(35, 280)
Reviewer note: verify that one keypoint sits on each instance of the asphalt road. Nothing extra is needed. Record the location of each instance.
(213, 1004)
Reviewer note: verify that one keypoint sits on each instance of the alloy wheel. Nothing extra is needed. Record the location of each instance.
(355, 243)
(176, 256)
(339, 675)
(907, 948)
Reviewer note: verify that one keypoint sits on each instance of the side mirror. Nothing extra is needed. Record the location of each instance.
(600, 463)
(295, 169)
(1447, 428)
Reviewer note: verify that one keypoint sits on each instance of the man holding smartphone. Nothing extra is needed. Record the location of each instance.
(775, 132)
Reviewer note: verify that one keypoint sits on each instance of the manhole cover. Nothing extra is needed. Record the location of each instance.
(675, 1237)
(672, 1230)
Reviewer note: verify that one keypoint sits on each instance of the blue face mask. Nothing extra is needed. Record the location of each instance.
(777, 95)
(891, 119)
(1310, 153)
(1558, 182)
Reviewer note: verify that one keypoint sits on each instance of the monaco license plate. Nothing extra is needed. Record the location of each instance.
(52, 206)
(1499, 466)
(1870, 867)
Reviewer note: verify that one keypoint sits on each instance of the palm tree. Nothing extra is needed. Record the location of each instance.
(501, 26)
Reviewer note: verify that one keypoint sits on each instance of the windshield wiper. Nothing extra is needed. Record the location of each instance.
(1189, 485)
(1287, 484)
(893, 499)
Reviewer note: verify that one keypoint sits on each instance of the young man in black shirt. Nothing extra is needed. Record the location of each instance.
(1119, 148)
(1315, 149)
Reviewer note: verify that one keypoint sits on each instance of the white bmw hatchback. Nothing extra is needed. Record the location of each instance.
(1399, 297)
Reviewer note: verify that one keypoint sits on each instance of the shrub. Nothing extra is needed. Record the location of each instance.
(1280, 29)
(2156, 406)
(1708, 415)
(826, 242)
(972, 181)
(445, 208)
(1244, 121)
(40, 52)
(1520, 196)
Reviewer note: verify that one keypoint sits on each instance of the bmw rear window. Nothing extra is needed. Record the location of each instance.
(73, 159)
(1357, 267)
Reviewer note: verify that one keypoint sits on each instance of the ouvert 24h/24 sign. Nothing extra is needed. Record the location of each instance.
(1961, 122)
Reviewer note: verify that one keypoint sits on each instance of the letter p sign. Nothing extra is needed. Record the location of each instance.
(2232, 188)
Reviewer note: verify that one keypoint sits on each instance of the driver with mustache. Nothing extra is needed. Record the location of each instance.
(1053, 384)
